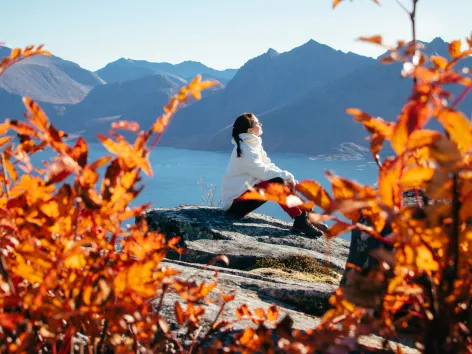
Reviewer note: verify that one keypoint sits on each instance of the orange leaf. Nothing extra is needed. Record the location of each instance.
(247, 336)
(4, 128)
(179, 313)
(336, 3)
(228, 297)
(126, 125)
(243, 311)
(376, 144)
(458, 127)
(11, 170)
(315, 192)
(338, 228)
(374, 39)
(371, 124)
(437, 147)
(272, 313)
(100, 162)
(440, 185)
(5, 140)
(439, 62)
(455, 48)
(413, 117)
(260, 312)
(15, 53)
(389, 178)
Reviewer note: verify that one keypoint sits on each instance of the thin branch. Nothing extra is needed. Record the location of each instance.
(462, 96)
(159, 306)
(413, 29)
(211, 329)
(5, 176)
(102, 337)
(454, 247)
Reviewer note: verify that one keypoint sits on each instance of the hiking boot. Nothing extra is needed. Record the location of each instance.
(303, 225)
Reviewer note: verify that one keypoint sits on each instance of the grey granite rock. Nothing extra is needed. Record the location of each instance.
(208, 232)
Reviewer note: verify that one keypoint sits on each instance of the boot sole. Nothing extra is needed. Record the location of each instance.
(297, 231)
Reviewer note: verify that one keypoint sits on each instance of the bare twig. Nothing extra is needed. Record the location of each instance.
(5, 176)
(161, 300)
(454, 246)
(413, 29)
(461, 96)
(102, 337)
(211, 329)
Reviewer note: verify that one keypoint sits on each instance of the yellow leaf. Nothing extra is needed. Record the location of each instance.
(435, 146)
(416, 177)
(455, 48)
(458, 127)
(440, 185)
(425, 260)
(439, 61)
(15, 53)
(75, 261)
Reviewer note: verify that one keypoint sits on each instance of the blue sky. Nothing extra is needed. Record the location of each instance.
(220, 33)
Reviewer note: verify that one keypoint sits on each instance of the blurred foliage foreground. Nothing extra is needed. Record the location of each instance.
(64, 287)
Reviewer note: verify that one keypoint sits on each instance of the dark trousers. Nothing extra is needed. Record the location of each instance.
(241, 208)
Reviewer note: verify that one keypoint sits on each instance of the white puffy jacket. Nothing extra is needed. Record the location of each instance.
(251, 168)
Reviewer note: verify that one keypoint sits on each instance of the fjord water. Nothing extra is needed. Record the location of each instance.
(177, 172)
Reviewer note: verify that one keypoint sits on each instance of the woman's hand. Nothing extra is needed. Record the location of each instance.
(293, 185)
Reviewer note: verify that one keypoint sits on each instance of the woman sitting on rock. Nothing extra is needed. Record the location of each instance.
(249, 165)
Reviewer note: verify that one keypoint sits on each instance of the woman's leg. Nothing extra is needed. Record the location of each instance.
(241, 208)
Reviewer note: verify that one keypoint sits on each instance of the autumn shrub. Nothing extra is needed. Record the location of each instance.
(423, 286)
(72, 277)
(63, 282)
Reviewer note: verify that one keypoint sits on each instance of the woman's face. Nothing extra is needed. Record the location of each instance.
(256, 128)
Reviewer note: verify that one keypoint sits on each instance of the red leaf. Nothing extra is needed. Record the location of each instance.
(179, 313)
(80, 152)
(374, 39)
(10, 320)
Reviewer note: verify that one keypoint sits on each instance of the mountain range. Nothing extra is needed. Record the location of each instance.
(300, 96)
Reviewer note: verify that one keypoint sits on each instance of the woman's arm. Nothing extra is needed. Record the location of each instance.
(253, 164)
(267, 160)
